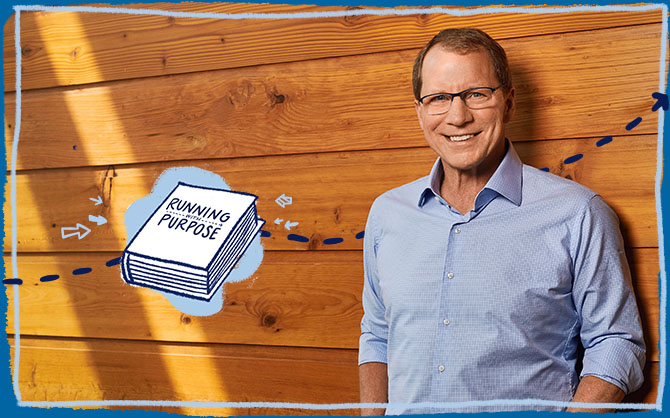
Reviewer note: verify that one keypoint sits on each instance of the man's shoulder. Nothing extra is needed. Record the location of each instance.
(406, 194)
(542, 185)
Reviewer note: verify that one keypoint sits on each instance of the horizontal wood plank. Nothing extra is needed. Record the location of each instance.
(331, 192)
(597, 80)
(55, 370)
(68, 370)
(64, 48)
(295, 298)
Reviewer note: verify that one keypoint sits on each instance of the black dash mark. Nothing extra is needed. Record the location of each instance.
(360, 235)
(606, 140)
(12, 281)
(83, 270)
(633, 123)
(545, 169)
(265, 233)
(296, 237)
(113, 262)
(49, 278)
(331, 241)
(573, 159)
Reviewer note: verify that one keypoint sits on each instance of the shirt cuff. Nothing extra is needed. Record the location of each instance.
(617, 361)
(371, 349)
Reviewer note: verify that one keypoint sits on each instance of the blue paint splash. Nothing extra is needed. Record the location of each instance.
(12, 281)
(573, 159)
(296, 237)
(331, 241)
(632, 124)
(265, 233)
(83, 270)
(360, 235)
(606, 140)
(545, 169)
(49, 278)
(113, 262)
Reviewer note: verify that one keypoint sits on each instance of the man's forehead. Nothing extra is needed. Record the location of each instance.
(439, 50)
(440, 60)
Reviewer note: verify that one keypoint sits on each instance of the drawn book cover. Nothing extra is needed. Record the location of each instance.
(191, 243)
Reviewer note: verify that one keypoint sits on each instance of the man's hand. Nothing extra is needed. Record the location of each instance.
(592, 389)
(373, 378)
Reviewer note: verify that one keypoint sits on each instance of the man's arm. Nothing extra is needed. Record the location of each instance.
(610, 330)
(373, 380)
(592, 389)
(372, 370)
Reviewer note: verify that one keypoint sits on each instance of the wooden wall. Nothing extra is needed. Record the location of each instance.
(319, 109)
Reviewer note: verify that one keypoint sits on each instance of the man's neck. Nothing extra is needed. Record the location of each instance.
(460, 191)
(459, 188)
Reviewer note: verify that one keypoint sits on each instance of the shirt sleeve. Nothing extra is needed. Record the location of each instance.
(374, 329)
(610, 323)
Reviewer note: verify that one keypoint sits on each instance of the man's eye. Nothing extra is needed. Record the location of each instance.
(475, 95)
(440, 98)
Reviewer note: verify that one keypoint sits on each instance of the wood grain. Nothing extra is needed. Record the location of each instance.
(597, 80)
(332, 192)
(65, 370)
(296, 298)
(63, 48)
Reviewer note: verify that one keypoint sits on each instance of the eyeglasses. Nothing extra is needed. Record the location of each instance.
(474, 98)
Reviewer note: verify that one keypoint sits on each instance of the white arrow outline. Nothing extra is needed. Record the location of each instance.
(76, 231)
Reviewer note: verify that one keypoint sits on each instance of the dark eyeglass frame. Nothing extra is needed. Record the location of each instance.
(459, 94)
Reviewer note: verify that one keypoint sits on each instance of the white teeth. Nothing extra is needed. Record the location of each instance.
(460, 138)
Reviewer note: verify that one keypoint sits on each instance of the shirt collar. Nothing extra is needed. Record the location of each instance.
(506, 180)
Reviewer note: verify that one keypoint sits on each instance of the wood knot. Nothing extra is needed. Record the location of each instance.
(337, 213)
(185, 320)
(268, 320)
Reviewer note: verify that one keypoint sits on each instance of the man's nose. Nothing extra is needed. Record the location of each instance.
(458, 113)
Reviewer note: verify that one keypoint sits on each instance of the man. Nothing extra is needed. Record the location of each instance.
(489, 279)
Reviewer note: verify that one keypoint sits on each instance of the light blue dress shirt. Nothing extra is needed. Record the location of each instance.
(493, 304)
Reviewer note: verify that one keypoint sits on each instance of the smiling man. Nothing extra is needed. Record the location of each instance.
(489, 279)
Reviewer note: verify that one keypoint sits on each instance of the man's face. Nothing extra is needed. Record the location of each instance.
(469, 141)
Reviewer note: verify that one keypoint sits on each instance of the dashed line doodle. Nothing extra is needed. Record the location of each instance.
(283, 200)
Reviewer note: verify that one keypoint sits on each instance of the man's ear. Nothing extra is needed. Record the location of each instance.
(417, 106)
(510, 105)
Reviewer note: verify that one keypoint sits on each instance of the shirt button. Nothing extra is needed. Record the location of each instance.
(457, 231)
(440, 368)
(446, 321)
(450, 275)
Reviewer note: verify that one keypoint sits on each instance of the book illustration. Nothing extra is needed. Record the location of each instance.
(191, 243)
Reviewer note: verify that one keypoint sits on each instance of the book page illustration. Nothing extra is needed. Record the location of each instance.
(186, 241)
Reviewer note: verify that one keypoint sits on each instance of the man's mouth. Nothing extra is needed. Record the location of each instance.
(460, 138)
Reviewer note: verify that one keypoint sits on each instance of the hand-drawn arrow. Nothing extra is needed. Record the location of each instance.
(288, 225)
(76, 232)
(97, 201)
(100, 220)
(284, 200)
(661, 101)
(278, 221)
